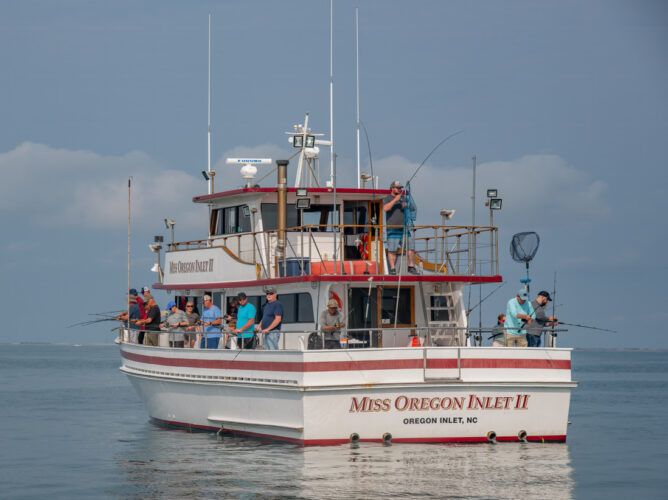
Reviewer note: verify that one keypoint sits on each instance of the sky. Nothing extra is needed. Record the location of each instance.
(564, 103)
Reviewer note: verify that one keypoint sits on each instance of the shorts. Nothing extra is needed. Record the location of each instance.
(393, 244)
(517, 340)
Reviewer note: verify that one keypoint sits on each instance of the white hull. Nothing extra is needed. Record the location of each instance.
(434, 394)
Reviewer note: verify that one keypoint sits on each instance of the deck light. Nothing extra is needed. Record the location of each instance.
(492, 193)
(298, 141)
(495, 203)
(304, 203)
(205, 175)
(301, 192)
(169, 224)
(310, 141)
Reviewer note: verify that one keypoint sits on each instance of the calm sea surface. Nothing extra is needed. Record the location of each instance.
(71, 426)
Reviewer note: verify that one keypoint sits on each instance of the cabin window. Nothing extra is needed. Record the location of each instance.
(319, 215)
(270, 216)
(230, 220)
(297, 307)
(389, 307)
(442, 308)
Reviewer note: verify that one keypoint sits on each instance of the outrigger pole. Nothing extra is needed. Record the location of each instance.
(128, 299)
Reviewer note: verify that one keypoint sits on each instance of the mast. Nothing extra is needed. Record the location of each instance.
(357, 78)
(208, 164)
(331, 91)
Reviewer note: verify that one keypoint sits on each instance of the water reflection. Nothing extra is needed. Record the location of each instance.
(155, 462)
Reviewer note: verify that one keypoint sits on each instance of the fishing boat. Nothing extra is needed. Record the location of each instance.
(409, 368)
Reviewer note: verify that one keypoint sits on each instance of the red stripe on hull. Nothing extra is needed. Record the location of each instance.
(325, 442)
(329, 366)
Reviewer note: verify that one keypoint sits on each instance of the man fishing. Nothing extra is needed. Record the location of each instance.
(519, 313)
(541, 319)
(394, 205)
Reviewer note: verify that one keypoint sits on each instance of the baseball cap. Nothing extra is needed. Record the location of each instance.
(396, 184)
(545, 294)
(333, 303)
(523, 294)
(170, 304)
(133, 291)
(145, 289)
(241, 295)
(270, 289)
(206, 297)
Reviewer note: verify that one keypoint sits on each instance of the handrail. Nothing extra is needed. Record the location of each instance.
(464, 334)
(438, 248)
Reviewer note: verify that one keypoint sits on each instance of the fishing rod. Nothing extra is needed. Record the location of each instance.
(486, 297)
(585, 326)
(91, 322)
(431, 153)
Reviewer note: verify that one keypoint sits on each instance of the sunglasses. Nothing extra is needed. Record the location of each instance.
(189, 307)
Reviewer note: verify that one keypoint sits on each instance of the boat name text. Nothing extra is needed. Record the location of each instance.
(440, 403)
(191, 266)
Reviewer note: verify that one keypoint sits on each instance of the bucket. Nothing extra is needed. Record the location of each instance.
(293, 266)
(163, 339)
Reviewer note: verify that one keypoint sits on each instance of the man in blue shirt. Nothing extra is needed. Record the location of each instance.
(519, 314)
(272, 315)
(245, 322)
(211, 320)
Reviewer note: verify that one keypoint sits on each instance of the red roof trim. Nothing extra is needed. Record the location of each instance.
(357, 278)
(223, 194)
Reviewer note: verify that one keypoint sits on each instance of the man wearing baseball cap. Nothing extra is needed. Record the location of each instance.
(272, 316)
(519, 313)
(331, 322)
(175, 321)
(394, 206)
(541, 319)
(245, 322)
(211, 320)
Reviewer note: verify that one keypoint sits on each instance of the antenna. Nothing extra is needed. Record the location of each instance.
(208, 165)
(357, 63)
(331, 90)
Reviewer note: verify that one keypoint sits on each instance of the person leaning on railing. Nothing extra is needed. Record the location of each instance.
(152, 321)
(519, 314)
(175, 321)
(244, 322)
(193, 322)
(211, 320)
(498, 332)
(331, 322)
(272, 316)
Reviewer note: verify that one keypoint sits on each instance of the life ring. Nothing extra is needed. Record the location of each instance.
(364, 246)
(334, 296)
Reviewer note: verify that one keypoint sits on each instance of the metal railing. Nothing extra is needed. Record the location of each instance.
(459, 250)
(428, 336)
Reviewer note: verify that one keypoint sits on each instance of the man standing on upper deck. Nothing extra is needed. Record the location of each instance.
(519, 313)
(211, 319)
(245, 321)
(394, 205)
(272, 315)
(541, 319)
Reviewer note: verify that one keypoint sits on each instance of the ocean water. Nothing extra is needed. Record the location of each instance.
(71, 426)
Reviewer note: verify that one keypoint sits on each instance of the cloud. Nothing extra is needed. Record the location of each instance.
(59, 187)
(534, 188)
